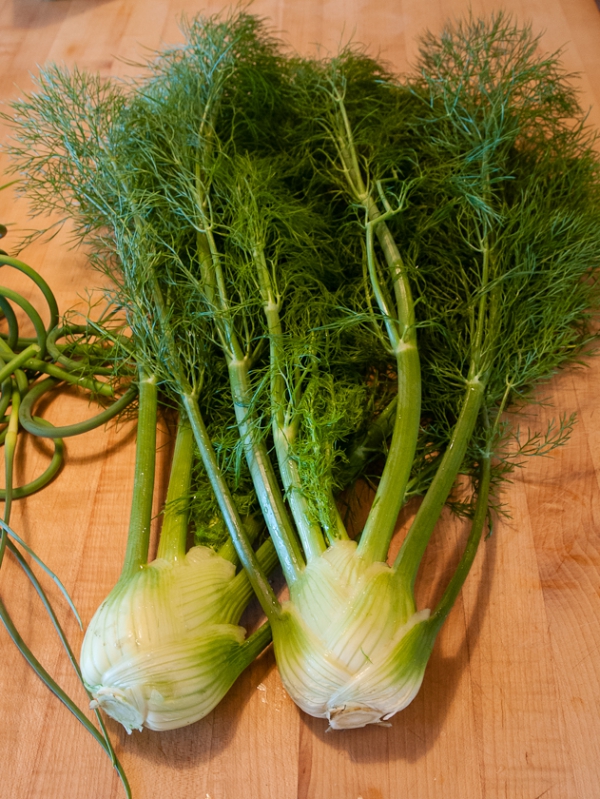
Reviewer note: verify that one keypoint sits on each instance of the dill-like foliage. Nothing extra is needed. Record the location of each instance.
(486, 160)
(508, 213)
(227, 152)
(226, 149)
(179, 184)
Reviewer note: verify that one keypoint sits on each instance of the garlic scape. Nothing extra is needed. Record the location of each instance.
(165, 646)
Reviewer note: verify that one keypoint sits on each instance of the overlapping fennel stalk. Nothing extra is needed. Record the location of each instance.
(301, 231)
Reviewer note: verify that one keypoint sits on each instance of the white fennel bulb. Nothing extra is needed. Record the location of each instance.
(349, 645)
(164, 647)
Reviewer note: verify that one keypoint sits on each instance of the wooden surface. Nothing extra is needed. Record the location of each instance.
(510, 705)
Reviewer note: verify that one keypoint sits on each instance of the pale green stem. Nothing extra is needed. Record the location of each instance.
(412, 550)
(389, 498)
(477, 346)
(399, 274)
(409, 558)
(390, 322)
(260, 584)
(263, 477)
(174, 530)
(241, 588)
(265, 482)
(334, 526)
(253, 646)
(310, 533)
(478, 523)
(348, 152)
(253, 526)
(138, 538)
(215, 291)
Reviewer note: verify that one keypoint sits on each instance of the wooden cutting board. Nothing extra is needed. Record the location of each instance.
(510, 703)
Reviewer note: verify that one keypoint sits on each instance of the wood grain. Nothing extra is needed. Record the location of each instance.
(510, 703)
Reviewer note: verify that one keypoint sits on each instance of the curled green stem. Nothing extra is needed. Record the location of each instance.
(36, 427)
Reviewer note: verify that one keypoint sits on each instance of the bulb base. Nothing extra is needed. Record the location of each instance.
(353, 715)
(119, 705)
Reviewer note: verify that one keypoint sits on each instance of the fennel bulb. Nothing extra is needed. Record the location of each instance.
(349, 645)
(164, 647)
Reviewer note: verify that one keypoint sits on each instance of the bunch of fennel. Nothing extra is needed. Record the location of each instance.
(462, 158)
(164, 647)
(477, 188)
(269, 222)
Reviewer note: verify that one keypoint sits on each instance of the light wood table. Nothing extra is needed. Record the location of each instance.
(510, 705)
